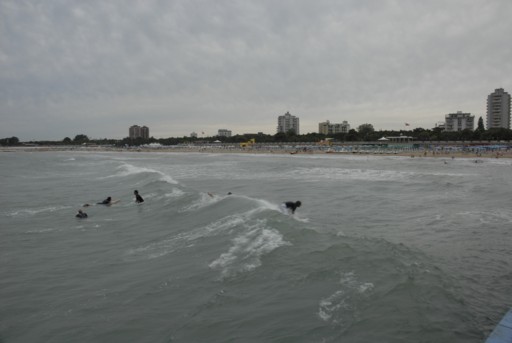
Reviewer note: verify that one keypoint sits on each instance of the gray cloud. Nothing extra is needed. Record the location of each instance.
(97, 67)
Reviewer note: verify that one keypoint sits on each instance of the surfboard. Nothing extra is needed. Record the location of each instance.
(112, 202)
(284, 209)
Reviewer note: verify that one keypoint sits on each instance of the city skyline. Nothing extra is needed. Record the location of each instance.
(94, 67)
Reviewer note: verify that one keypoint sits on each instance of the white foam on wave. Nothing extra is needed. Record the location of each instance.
(208, 199)
(352, 174)
(221, 225)
(204, 200)
(488, 217)
(247, 249)
(45, 230)
(267, 205)
(129, 169)
(360, 174)
(188, 238)
(343, 302)
(240, 221)
(27, 212)
(175, 193)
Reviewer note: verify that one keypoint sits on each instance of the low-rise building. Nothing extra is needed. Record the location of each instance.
(459, 121)
(441, 125)
(328, 128)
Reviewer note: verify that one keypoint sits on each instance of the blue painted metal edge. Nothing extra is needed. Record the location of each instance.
(502, 333)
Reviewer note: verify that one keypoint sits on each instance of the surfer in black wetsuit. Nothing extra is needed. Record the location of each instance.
(107, 201)
(81, 214)
(292, 206)
(138, 198)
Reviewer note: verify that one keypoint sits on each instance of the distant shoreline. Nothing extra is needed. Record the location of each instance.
(413, 153)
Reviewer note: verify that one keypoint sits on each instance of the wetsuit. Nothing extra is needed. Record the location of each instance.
(107, 201)
(81, 215)
(138, 198)
(291, 205)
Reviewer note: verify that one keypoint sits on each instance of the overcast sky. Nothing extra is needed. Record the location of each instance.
(96, 67)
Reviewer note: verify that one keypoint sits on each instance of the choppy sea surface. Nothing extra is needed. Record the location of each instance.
(383, 249)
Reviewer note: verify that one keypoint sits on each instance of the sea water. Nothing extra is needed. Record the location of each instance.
(383, 249)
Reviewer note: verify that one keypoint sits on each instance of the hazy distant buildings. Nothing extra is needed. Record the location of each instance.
(498, 109)
(136, 131)
(224, 133)
(288, 122)
(459, 121)
(328, 128)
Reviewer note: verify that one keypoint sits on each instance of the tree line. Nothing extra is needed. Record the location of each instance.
(364, 132)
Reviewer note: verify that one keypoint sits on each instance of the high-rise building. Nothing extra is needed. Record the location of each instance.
(498, 109)
(144, 132)
(328, 128)
(288, 122)
(135, 131)
(459, 121)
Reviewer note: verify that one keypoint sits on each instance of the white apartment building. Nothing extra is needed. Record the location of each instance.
(224, 133)
(328, 128)
(288, 122)
(498, 109)
(459, 121)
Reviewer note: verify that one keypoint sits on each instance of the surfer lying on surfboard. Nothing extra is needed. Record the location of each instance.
(108, 201)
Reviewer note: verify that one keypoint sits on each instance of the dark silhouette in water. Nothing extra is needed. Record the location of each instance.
(107, 201)
(138, 198)
(292, 206)
(81, 214)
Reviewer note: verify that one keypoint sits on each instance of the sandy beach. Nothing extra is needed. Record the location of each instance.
(274, 149)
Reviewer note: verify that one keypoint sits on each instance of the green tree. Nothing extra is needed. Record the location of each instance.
(423, 135)
(341, 137)
(501, 134)
(480, 126)
(466, 135)
(67, 140)
(291, 134)
(365, 131)
(280, 137)
(80, 139)
(9, 141)
(352, 135)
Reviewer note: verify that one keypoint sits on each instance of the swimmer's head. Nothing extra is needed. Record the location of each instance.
(135, 192)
